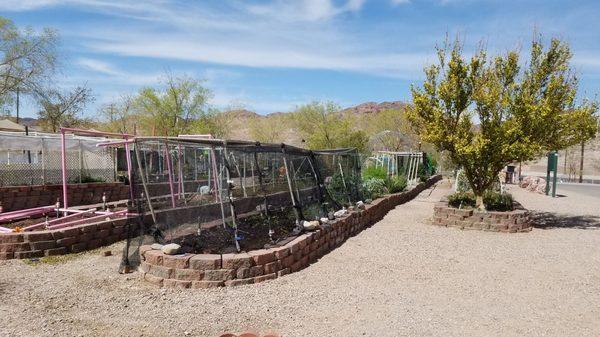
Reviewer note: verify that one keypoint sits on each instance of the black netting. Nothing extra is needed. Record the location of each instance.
(219, 197)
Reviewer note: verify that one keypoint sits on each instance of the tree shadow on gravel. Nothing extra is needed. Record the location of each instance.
(548, 220)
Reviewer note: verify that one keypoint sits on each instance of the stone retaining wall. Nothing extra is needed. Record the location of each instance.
(15, 198)
(62, 241)
(514, 221)
(217, 270)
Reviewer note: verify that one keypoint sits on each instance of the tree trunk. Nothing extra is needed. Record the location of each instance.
(581, 163)
(479, 202)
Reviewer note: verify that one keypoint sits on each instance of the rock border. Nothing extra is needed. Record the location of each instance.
(218, 270)
(517, 220)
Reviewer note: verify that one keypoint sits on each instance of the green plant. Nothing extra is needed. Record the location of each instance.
(396, 184)
(374, 188)
(89, 179)
(375, 172)
(462, 200)
(495, 201)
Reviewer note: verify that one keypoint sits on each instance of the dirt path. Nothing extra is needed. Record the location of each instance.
(400, 277)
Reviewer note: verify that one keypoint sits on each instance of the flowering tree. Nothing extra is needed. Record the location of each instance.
(488, 112)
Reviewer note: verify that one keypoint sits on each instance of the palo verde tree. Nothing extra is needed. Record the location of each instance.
(488, 112)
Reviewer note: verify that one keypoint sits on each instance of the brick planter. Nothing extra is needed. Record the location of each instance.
(62, 241)
(217, 270)
(514, 221)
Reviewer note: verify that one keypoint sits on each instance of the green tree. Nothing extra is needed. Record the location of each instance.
(522, 112)
(27, 58)
(175, 108)
(120, 116)
(63, 108)
(323, 126)
(268, 129)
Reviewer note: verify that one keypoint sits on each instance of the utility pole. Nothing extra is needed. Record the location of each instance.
(17, 105)
(581, 163)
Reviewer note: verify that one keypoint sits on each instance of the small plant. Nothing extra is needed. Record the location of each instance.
(396, 184)
(462, 200)
(495, 201)
(89, 179)
(374, 188)
(375, 172)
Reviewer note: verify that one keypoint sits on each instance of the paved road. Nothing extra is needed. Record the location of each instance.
(589, 190)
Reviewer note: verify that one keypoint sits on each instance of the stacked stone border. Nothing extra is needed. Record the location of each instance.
(217, 270)
(62, 241)
(514, 221)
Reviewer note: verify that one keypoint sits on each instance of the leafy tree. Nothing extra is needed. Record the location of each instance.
(522, 111)
(323, 126)
(173, 109)
(120, 116)
(63, 108)
(268, 129)
(27, 58)
(389, 130)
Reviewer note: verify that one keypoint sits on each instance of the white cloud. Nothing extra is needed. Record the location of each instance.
(304, 10)
(399, 2)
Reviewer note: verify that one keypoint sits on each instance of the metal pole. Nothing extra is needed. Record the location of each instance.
(80, 163)
(128, 158)
(169, 168)
(137, 153)
(43, 162)
(64, 168)
(290, 187)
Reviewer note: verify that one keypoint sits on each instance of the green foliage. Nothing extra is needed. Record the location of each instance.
(374, 188)
(323, 127)
(522, 113)
(85, 179)
(176, 108)
(462, 200)
(495, 201)
(396, 184)
(375, 172)
(345, 190)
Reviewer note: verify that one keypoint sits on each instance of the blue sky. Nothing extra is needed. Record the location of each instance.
(273, 55)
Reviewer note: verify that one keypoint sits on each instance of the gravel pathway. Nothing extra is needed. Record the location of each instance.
(400, 277)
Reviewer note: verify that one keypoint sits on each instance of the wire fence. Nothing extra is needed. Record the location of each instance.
(36, 160)
(231, 196)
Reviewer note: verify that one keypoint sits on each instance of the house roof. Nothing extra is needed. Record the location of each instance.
(8, 125)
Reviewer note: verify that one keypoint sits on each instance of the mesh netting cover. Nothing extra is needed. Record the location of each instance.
(214, 196)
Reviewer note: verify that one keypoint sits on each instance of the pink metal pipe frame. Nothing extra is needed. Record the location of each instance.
(169, 168)
(57, 221)
(25, 213)
(128, 156)
(63, 153)
(5, 230)
(80, 221)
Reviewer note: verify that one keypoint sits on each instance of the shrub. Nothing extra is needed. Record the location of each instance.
(89, 179)
(340, 192)
(374, 188)
(375, 172)
(462, 200)
(495, 201)
(396, 184)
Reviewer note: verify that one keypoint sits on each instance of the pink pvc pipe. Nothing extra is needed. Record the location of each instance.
(63, 153)
(77, 222)
(179, 172)
(123, 142)
(5, 230)
(215, 180)
(169, 168)
(25, 213)
(56, 221)
(128, 156)
(97, 133)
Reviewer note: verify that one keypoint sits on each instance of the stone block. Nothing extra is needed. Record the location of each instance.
(236, 261)
(205, 261)
(207, 284)
(219, 275)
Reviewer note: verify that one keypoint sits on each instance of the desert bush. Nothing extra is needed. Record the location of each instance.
(396, 184)
(495, 201)
(374, 188)
(375, 172)
(461, 200)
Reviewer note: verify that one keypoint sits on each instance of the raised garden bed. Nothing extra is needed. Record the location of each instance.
(517, 220)
(254, 266)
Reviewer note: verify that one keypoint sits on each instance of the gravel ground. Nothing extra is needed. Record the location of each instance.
(401, 277)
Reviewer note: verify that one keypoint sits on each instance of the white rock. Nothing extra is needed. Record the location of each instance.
(324, 220)
(171, 249)
(360, 205)
(204, 189)
(156, 246)
(310, 225)
(340, 213)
